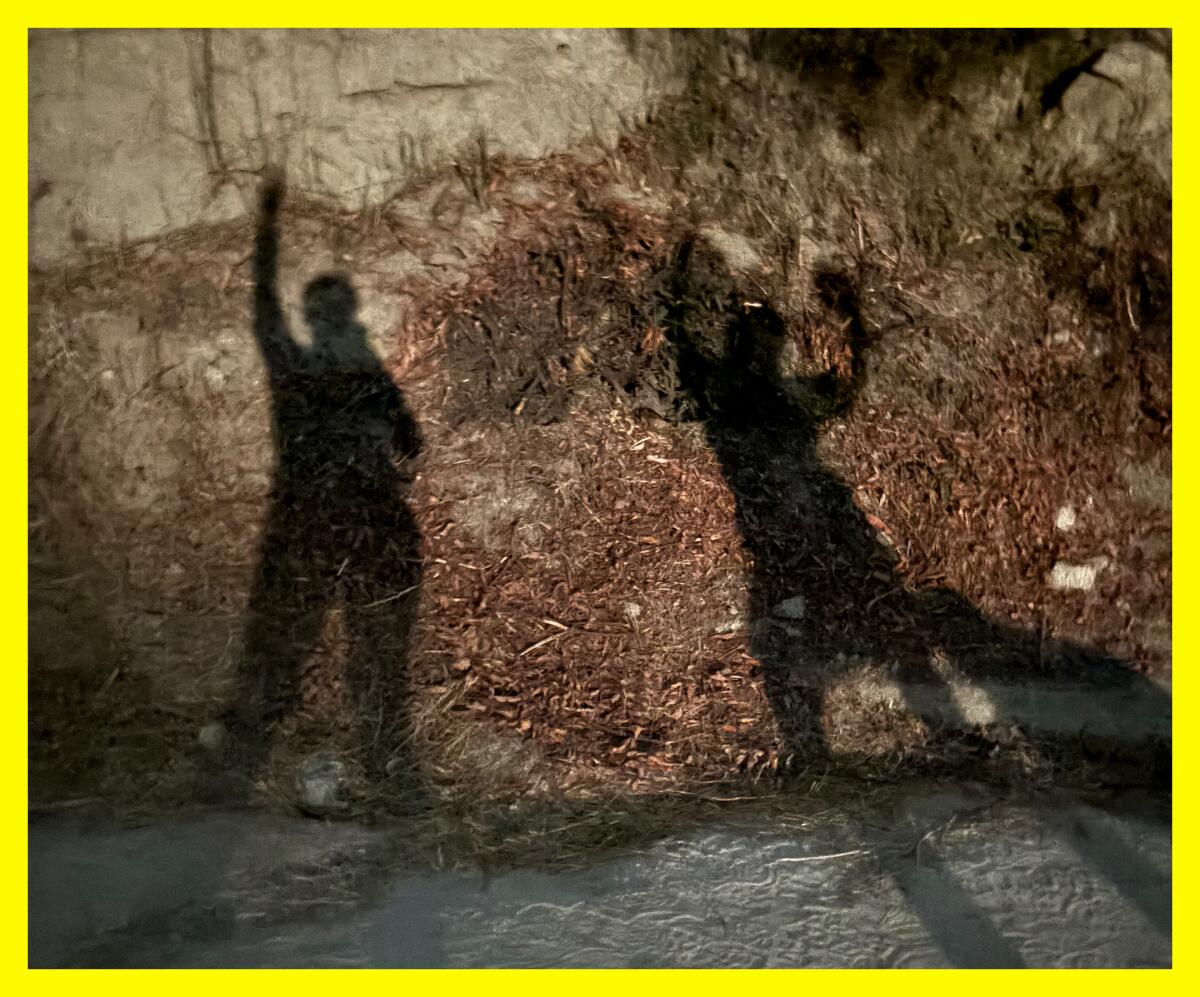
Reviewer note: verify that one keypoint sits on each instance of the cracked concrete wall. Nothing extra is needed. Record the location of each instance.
(133, 134)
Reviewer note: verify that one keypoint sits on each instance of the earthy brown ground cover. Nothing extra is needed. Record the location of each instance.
(590, 620)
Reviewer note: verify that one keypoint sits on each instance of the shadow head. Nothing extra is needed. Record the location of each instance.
(330, 309)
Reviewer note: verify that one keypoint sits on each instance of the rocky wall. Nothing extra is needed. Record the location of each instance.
(134, 134)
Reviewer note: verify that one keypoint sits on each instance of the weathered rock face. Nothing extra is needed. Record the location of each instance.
(136, 133)
(1123, 103)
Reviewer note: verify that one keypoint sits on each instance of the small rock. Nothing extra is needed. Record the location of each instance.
(400, 263)
(1065, 520)
(791, 609)
(1122, 106)
(739, 253)
(1081, 577)
(213, 736)
(448, 260)
(731, 624)
(528, 194)
(589, 155)
(120, 346)
(110, 384)
(643, 200)
(321, 783)
(742, 67)
(1147, 485)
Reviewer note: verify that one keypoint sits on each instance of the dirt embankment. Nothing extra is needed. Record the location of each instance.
(843, 368)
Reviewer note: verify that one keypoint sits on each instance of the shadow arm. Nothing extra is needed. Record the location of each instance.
(278, 348)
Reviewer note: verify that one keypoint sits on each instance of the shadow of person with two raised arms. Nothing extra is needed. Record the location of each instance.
(823, 590)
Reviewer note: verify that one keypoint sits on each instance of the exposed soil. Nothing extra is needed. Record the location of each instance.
(625, 526)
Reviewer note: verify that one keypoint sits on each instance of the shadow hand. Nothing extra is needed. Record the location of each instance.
(274, 186)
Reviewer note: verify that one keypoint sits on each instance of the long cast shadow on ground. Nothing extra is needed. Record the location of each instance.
(814, 552)
(823, 589)
(339, 535)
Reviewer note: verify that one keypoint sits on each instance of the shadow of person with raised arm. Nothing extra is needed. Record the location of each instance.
(339, 534)
(823, 588)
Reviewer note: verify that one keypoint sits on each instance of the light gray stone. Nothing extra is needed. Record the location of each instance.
(1065, 519)
(794, 608)
(648, 201)
(213, 737)
(1122, 106)
(528, 194)
(740, 254)
(321, 783)
(448, 260)
(134, 134)
(400, 265)
(1147, 485)
(1081, 577)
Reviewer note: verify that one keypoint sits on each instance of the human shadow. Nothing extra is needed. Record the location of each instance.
(824, 590)
(339, 534)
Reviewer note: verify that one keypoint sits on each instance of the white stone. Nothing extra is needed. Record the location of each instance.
(792, 609)
(739, 253)
(734, 621)
(1078, 577)
(1065, 520)
(321, 782)
(213, 736)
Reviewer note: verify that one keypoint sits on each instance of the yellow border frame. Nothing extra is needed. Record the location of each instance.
(13, 398)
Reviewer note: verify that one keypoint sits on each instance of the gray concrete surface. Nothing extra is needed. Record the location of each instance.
(933, 876)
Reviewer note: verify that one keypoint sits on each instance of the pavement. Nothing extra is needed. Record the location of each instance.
(927, 876)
